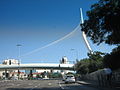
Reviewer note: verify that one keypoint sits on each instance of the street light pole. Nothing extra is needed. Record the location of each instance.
(19, 45)
(76, 53)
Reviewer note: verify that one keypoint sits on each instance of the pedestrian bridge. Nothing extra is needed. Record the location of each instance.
(38, 66)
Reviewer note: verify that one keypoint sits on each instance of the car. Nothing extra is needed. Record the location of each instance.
(69, 79)
(64, 77)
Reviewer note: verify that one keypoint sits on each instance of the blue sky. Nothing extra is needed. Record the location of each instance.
(36, 23)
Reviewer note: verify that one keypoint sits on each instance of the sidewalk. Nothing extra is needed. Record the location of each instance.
(96, 85)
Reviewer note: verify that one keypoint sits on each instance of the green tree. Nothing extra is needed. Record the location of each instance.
(91, 64)
(103, 23)
(82, 66)
(96, 61)
(112, 60)
(97, 58)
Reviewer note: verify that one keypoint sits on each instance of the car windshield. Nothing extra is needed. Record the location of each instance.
(70, 76)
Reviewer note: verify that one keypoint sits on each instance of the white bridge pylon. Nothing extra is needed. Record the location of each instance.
(78, 28)
(83, 33)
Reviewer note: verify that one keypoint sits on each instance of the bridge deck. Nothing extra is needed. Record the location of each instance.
(38, 66)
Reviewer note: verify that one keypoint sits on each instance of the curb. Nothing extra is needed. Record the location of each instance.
(86, 83)
(95, 86)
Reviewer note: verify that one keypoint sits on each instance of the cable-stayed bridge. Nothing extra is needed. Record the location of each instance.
(69, 35)
(48, 65)
(45, 65)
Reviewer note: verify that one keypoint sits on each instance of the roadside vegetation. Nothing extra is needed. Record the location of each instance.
(102, 26)
(91, 64)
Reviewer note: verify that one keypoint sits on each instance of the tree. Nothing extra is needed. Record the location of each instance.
(91, 64)
(112, 60)
(82, 66)
(96, 55)
(96, 61)
(103, 23)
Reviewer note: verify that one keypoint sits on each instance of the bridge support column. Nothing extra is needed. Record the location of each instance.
(5, 74)
(30, 76)
(18, 74)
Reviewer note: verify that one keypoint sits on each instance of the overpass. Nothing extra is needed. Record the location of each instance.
(32, 66)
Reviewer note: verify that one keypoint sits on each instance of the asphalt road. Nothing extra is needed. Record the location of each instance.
(42, 85)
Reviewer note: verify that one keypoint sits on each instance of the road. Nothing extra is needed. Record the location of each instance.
(42, 85)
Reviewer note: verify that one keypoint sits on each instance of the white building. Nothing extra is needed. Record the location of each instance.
(10, 62)
(64, 60)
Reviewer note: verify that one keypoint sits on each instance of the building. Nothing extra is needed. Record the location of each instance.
(10, 62)
(64, 60)
(8, 74)
(14, 75)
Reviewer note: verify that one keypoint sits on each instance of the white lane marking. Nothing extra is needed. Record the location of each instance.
(49, 84)
(18, 85)
(61, 86)
(36, 86)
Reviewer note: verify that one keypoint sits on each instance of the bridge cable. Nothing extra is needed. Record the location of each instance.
(52, 43)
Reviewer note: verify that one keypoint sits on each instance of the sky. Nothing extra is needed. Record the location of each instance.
(36, 23)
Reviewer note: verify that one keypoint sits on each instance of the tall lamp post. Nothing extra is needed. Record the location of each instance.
(76, 57)
(19, 45)
(75, 52)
